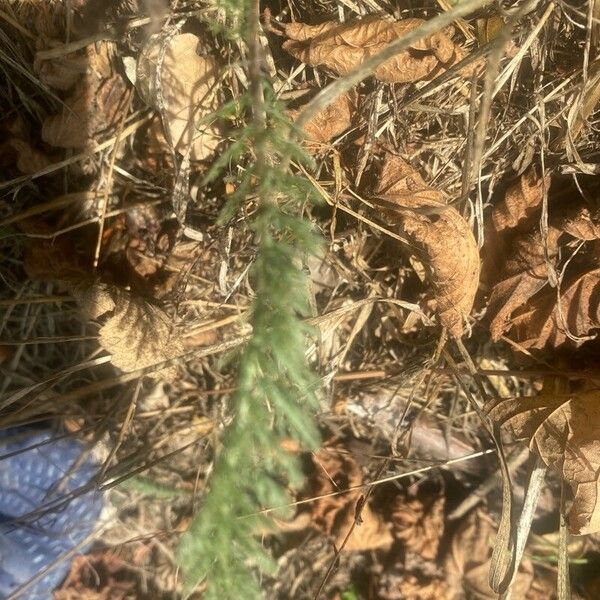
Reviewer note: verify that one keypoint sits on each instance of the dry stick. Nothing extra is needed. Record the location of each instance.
(467, 162)
(523, 49)
(532, 495)
(338, 87)
(563, 583)
(109, 177)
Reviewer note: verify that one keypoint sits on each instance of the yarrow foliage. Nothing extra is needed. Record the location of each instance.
(276, 391)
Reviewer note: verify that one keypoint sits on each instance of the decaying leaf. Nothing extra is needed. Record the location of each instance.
(419, 524)
(441, 233)
(467, 565)
(412, 587)
(51, 258)
(26, 158)
(563, 430)
(328, 123)
(135, 333)
(547, 322)
(173, 78)
(99, 576)
(342, 47)
(523, 256)
(64, 72)
(16, 148)
(522, 199)
(525, 273)
(581, 223)
(334, 515)
(95, 105)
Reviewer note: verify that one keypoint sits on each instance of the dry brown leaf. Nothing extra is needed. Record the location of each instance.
(62, 73)
(467, 565)
(26, 158)
(95, 105)
(335, 515)
(562, 429)
(413, 588)
(522, 199)
(525, 273)
(581, 223)
(98, 576)
(328, 123)
(187, 91)
(545, 322)
(342, 47)
(51, 259)
(17, 148)
(441, 233)
(136, 333)
(419, 525)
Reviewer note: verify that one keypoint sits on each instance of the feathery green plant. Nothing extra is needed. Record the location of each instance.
(276, 391)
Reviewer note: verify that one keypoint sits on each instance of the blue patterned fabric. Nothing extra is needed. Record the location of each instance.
(39, 521)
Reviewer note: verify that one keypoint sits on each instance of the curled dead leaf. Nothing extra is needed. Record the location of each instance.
(95, 105)
(522, 199)
(62, 73)
(182, 85)
(419, 524)
(518, 302)
(136, 333)
(27, 159)
(562, 429)
(342, 47)
(52, 258)
(328, 123)
(553, 319)
(17, 148)
(581, 223)
(525, 273)
(440, 232)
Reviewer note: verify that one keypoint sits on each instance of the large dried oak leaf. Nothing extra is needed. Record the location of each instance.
(562, 429)
(182, 85)
(342, 47)
(442, 235)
